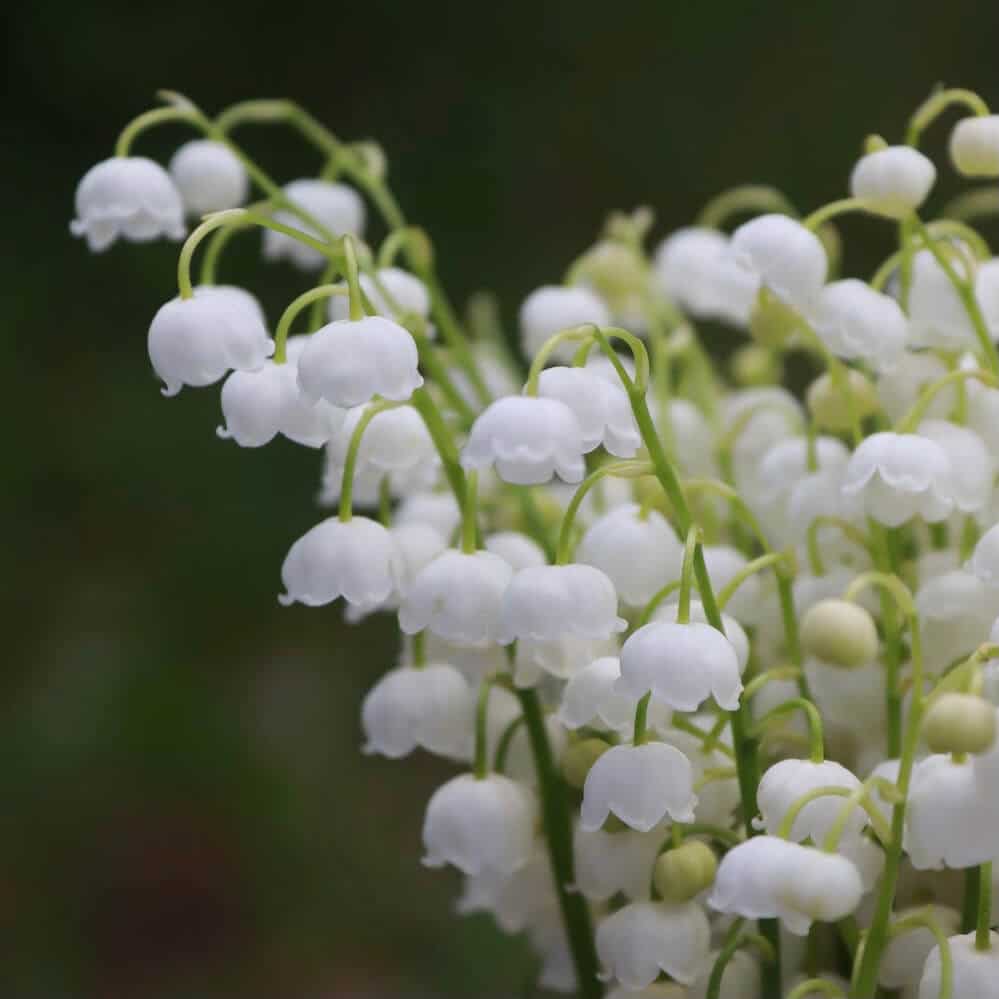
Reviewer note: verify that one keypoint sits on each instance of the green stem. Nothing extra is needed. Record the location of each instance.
(691, 547)
(729, 590)
(558, 829)
(814, 986)
(641, 719)
(469, 530)
(317, 294)
(983, 935)
(480, 761)
(353, 449)
(812, 716)
(969, 901)
(150, 119)
(733, 941)
(835, 208)
(423, 402)
(747, 199)
(909, 423)
(503, 746)
(936, 104)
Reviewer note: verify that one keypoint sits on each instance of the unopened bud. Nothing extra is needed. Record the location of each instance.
(753, 365)
(682, 873)
(579, 757)
(834, 407)
(840, 633)
(960, 723)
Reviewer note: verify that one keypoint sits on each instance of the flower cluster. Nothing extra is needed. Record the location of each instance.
(716, 664)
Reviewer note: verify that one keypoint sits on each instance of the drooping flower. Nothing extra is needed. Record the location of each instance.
(209, 176)
(975, 972)
(128, 197)
(553, 308)
(894, 180)
(549, 602)
(527, 439)
(195, 341)
(480, 825)
(641, 785)
(642, 939)
(349, 361)
(354, 559)
(974, 146)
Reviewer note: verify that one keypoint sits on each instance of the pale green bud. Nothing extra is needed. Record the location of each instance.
(754, 365)
(840, 633)
(684, 872)
(960, 723)
(579, 757)
(831, 406)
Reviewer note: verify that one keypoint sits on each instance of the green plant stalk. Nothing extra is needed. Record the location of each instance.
(744, 748)
(558, 829)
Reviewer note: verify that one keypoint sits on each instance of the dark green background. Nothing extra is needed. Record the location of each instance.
(186, 812)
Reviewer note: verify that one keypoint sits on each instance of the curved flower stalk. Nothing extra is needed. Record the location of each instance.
(670, 621)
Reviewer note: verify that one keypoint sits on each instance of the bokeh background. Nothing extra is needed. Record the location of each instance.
(185, 809)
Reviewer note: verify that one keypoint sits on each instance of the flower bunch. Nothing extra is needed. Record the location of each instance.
(716, 665)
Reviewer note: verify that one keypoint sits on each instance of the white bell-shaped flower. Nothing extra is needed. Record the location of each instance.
(429, 706)
(695, 268)
(439, 510)
(259, 405)
(601, 408)
(350, 361)
(851, 699)
(972, 467)
(640, 554)
(417, 546)
(354, 559)
(195, 341)
(759, 417)
(952, 818)
(516, 548)
(766, 877)
(682, 664)
(209, 176)
(741, 978)
(642, 939)
(975, 972)
(552, 308)
(788, 780)
(610, 862)
(895, 180)
(395, 442)
(641, 785)
(937, 316)
(480, 825)
(900, 476)
(734, 631)
(987, 294)
(787, 258)
(956, 610)
(457, 596)
(528, 439)
(129, 197)
(974, 146)
(590, 697)
(905, 954)
(820, 494)
(857, 323)
(336, 207)
(402, 289)
(984, 561)
(548, 602)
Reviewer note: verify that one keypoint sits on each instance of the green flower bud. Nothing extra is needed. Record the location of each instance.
(831, 406)
(960, 723)
(755, 365)
(771, 321)
(579, 757)
(616, 272)
(684, 872)
(840, 633)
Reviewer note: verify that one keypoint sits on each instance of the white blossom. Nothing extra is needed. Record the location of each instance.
(336, 207)
(209, 176)
(895, 180)
(551, 309)
(128, 197)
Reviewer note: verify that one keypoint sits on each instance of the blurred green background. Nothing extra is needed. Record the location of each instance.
(186, 812)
